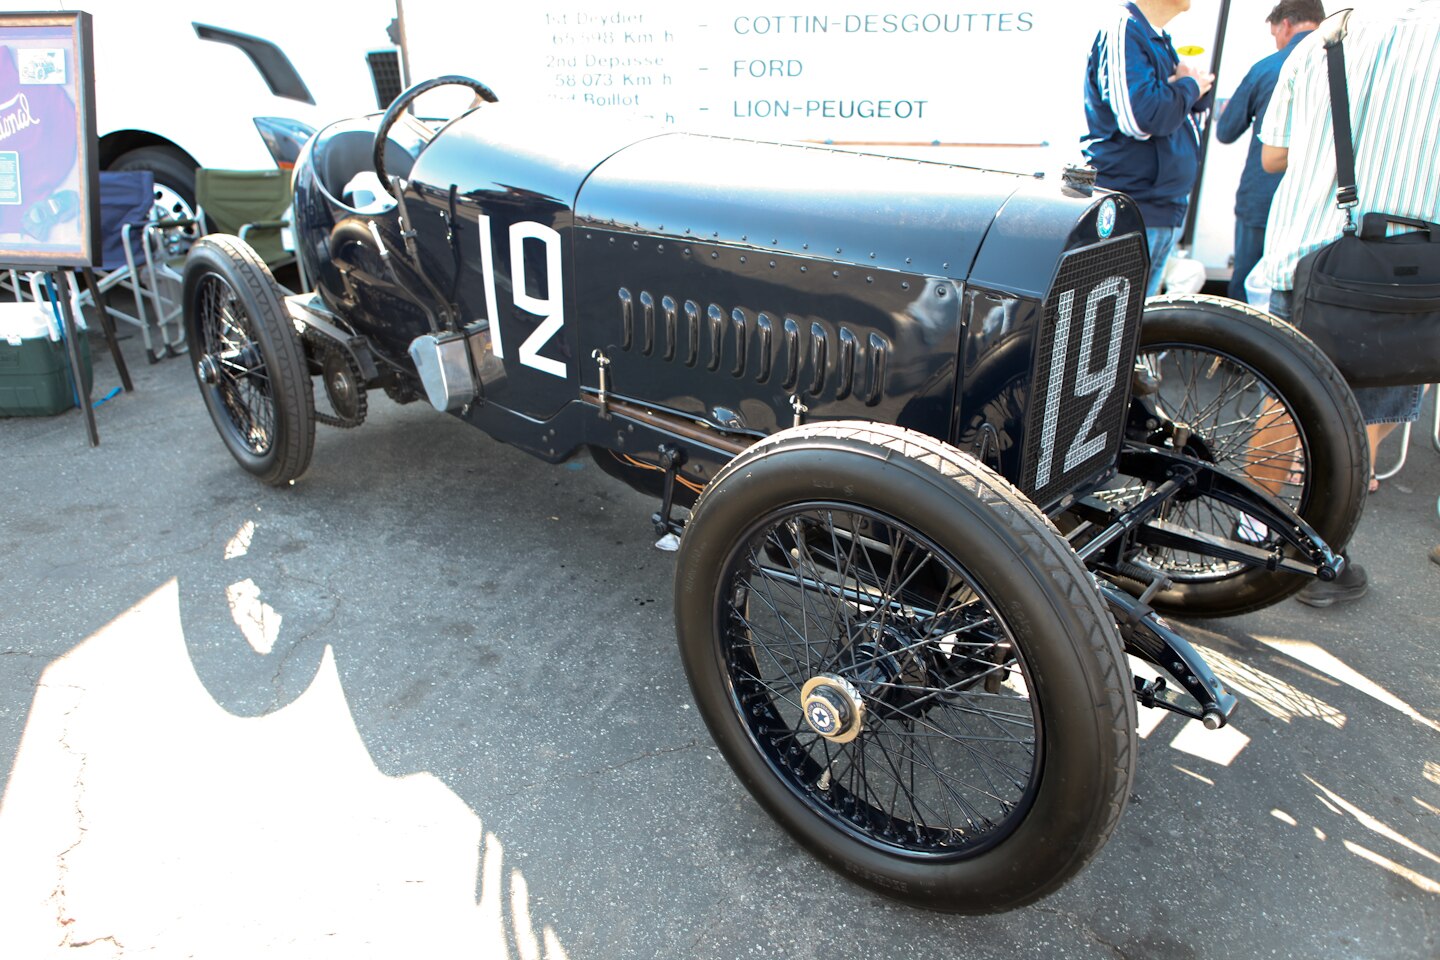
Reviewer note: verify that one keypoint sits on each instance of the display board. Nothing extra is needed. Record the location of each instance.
(49, 177)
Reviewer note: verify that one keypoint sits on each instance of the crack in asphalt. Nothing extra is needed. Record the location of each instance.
(54, 570)
(1083, 925)
(337, 601)
(58, 893)
(169, 554)
(90, 943)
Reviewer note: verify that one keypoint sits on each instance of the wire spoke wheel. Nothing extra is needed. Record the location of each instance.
(242, 383)
(936, 749)
(906, 665)
(248, 360)
(1228, 414)
(1248, 392)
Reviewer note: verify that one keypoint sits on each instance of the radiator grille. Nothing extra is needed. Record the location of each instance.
(1083, 362)
(385, 72)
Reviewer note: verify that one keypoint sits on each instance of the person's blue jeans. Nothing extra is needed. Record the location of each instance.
(1161, 241)
(1249, 248)
(1377, 404)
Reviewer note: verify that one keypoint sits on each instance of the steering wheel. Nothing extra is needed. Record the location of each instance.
(382, 134)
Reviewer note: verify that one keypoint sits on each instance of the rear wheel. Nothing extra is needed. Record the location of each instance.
(1252, 394)
(906, 665)
(248, 360)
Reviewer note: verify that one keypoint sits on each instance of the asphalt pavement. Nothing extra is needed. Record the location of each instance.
(426, 702)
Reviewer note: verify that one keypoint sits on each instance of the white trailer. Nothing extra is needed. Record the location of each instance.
(996, 84)
(179, 83)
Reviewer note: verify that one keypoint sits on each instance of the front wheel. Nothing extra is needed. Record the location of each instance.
(1252, 394)
(248, 360)
(906, 665)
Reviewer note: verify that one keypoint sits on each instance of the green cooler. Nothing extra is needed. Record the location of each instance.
(34, 369)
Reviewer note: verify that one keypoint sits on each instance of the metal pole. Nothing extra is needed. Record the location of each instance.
(404, 46)
(60, 283)
(1187, 236)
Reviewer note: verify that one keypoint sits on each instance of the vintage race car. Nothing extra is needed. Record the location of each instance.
(932, 464)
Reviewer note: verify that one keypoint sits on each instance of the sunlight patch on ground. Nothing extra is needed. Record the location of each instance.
(1327, 663)
(1372, 824)
(1405, 873)
(139, 812)
(1148, 720)
(1342, 807)
(1284, 817)
(1218, 746)
(258, 621)
(1432, 771)
(1282, 700)
(239, 545)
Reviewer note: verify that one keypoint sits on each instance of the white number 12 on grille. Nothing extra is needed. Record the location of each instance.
(1088, 381)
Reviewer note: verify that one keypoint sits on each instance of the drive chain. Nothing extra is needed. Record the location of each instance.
(323, 348)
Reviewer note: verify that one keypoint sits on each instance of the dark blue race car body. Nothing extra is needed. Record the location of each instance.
(931, 463)
(901, 291)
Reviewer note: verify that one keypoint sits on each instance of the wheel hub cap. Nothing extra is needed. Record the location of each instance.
(833, 707)
(208, 370)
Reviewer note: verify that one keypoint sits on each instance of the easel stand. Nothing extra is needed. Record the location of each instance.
(61, 285)
(107, 324)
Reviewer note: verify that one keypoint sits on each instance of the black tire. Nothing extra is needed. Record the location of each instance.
(1224, 369)
(174, 176)
(1002, 712)
(248, 360)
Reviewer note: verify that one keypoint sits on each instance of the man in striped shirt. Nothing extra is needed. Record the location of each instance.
(1392, 73)
(1144, 110)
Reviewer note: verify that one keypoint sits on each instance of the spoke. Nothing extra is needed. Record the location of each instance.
(244, 392)
(768, 598)
(965, 744)
(939, 762)
(1246, 427)
(967, 809)
(950, 783)
(899, 781)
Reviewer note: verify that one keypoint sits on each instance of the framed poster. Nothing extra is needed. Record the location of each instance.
(49, 169)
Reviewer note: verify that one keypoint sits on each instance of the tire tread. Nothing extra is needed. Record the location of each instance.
(1048, 550)
(295, 396)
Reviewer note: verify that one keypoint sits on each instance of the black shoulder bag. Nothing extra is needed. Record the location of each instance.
(1370, 302)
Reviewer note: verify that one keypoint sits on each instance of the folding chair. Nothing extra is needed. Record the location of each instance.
(127, 209)
(163, 243)
(255, 204)
(10, 283)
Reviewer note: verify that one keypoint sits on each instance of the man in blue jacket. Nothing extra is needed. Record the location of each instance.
(1145, 110)
(1290, 22)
